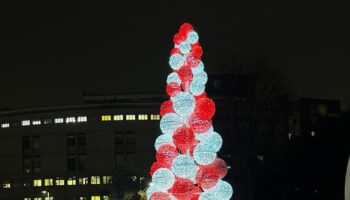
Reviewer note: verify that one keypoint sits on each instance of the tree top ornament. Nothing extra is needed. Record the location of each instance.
(187, 166)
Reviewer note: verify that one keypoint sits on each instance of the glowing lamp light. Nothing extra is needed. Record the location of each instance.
(187, 166)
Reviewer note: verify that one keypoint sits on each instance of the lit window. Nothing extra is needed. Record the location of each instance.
(107, 179)
(48, 182)
(95, 198)
(95, 180)
(37, 183)
(36, 122)
(37, 198)
(105, 198)
(83, 181)
(155, 117)
(59, 181)
(5, 125)
(59, 120)
(118, 117)
(71, 181)
(70, 120)
(82, 119)
(106, 118)
(130, 117)
(142, 117)
(27, 198)
(47, 121)
(25, 122)
(6, 185)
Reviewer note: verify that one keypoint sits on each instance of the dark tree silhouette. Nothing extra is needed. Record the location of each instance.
(255, 115)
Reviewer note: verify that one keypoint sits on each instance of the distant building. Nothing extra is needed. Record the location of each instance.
(315, 150)
(72, 152)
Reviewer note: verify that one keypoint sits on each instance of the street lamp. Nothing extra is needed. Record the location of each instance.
(47, 194)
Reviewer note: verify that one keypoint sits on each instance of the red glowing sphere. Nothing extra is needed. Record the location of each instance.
(166, 107)
(221, 167)
(205, 108)
(185, 73)
(160, 196)
(207, 177)
(197, 50)
(191, 60)
(184, 138)
(175, 51)
(183, 189)
(185, 28)
(166, 154)
(172, 89)
(199, 125)
(157, 165)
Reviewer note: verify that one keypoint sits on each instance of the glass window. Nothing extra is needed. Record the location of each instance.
(5, 125)
(83, 180)
(106, 118)
(70, 120)
(36, 164)
(71, 181)
(119, 142)
(130, 141)
(6, 185)
(107, 179)
(27, 166)
(25, 122)
(58, 120)
(95, 198)
(82, 141)
(82, 162)
(59, 181)
(36, 122)
(118, 117)
(82, 119)
(155, 117)
(130, 117)
(71, 163)
(47, 121)
(48, 182)
(36, 144)
(95, 180)
(27, 144)
(142, 117)
(37, 183)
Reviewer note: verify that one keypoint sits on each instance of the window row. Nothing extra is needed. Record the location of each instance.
(129, 117)
(94, 197)
(61, 120)
(59, 181)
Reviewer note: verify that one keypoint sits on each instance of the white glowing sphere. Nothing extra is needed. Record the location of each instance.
(163, 139)
(196, 88)
(199, 68)
(176, 61)
(203, 155)
(223, 190)
(170, 122)
(213, 141)
(184, 103)
(184, 166)
(203, 136)
(200, 77)
(163, 178)
(173, 77)
(192, 37)
(152, 189)
(185, 47)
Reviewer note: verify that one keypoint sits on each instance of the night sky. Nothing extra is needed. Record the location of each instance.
(51, 51)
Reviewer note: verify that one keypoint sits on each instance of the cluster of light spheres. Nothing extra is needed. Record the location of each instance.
(187, 166)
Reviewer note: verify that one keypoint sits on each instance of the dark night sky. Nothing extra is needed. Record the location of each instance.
(51, 51)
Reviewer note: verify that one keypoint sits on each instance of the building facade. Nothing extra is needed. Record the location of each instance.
(72, 152)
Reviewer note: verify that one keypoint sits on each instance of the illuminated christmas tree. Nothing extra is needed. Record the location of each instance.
(187, 166)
